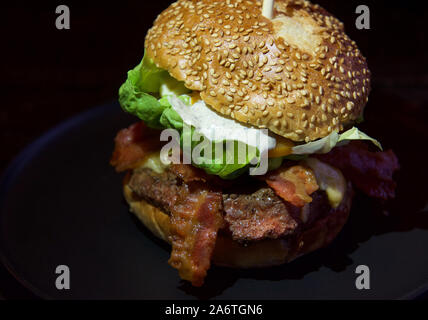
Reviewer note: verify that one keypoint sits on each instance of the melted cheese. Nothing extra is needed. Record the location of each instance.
(153, 161)
(329, 179)
(194, 97)
(284, 147)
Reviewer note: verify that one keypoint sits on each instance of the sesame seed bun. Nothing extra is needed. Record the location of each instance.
(299, 74)
(264, 253)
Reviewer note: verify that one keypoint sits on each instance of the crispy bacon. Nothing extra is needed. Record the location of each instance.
(188, 173)
(196, 214)
(370, 172)
(195, 221)
(132, 145)
(294, 184)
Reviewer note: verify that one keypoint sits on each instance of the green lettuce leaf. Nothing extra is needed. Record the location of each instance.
(327, 143)
(274, 163)
(150, 76)
(172, 87)
(226, 168)
(139, 103)
(171, 119)
(135, 97)
(355, 134)
(323, 145)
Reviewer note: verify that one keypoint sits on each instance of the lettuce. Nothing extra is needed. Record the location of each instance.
(135, 98)
(171, 119)
(334, 139)
(274, 163)
(323, 145)
(139, 103)
(226, 167)
(150, 76)
(355, 134)
(171, 87)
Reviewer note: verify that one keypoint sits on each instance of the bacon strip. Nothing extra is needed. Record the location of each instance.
(370, 172)
(132, 145)
(188, 173)
(196, 211)
(194, 224)
(294, 184)
(196, 215)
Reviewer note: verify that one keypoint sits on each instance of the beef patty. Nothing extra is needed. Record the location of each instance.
(249, 215)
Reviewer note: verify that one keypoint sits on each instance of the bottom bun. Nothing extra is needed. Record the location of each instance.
(263, 253)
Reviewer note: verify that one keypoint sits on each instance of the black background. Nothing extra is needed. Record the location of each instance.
(48, 75)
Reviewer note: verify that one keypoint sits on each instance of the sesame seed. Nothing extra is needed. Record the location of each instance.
(350, 105)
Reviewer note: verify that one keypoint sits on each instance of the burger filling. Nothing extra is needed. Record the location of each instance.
(162, 102)
(299, 194)
(304, 182)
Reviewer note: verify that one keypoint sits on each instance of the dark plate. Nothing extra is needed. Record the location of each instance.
(61, 204)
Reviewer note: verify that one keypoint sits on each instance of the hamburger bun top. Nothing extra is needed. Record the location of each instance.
(298, 75)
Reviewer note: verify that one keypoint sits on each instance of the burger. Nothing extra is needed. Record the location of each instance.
(292, 77)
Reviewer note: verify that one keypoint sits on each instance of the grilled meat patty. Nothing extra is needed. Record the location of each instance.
(250, 215)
